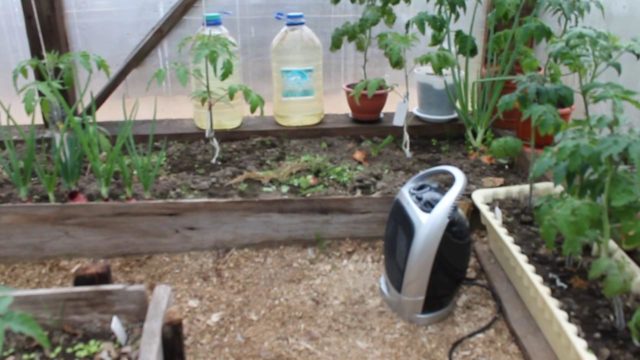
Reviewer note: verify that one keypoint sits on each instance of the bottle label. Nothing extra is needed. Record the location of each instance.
(297, 83)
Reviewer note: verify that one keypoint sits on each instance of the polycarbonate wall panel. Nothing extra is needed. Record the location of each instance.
(15, 48)
(113, 28)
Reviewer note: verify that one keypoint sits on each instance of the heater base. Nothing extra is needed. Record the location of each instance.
(405, 307)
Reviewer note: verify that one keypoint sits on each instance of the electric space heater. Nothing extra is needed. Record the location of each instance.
(426, 248)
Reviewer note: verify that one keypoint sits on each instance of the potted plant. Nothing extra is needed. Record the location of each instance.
(586, 217)
(367, 97)
(476, 100)
(545, 106)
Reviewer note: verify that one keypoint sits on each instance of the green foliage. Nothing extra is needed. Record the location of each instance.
(506, 149)
(17, 163)
(396, 46)
(19, 323)
(47, 171)
(58, 73)
(102, 155)
(616, 280)
(371, 86)
(216, 55)
(595, 159)
(634, 326)
(377, 148)
(85, 350)
(147, 163)
(510, 32)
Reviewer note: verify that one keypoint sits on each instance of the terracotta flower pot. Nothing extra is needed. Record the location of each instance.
(368, 110)
(524, 129)
(510, 119)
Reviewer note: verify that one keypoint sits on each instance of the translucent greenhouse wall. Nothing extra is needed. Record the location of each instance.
(112, 28)
(15, 48)
(253, 25)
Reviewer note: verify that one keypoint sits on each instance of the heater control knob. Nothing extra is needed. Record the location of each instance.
(426, 195)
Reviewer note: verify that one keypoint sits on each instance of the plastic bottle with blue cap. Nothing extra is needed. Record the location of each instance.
(226, 115)
(296, 64)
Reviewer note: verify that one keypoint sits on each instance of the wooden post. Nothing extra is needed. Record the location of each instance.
(153, 38)
(173, 335)
(49, 15)
(92, 274)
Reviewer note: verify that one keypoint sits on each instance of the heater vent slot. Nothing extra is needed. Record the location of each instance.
(398, 239)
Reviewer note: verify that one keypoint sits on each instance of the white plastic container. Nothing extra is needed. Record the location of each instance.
(434, 103)
(226, 114)
(296, 64)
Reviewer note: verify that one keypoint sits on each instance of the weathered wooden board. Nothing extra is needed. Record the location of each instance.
(151, 342)
(88, 309)
(332, 125)
(526, 332)
(38, 231)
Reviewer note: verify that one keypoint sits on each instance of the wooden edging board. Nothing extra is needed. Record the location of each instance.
(87, 308)
(263, 126)
(527, 333)
(38, 231)
(151, 347)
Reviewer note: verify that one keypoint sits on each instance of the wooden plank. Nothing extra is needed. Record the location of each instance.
(332, 125)
(88, 309)
(151, 342)
(527, 334)
(54, 32)
(38, 231)
(142, 50)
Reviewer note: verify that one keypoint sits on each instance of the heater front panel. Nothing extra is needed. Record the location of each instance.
(397, 244)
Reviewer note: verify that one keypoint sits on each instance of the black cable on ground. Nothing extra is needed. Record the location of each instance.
(487, 326)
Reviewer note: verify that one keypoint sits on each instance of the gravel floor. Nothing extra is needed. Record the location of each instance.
(294, 302)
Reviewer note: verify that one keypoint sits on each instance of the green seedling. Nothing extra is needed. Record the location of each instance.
(146, 161)
(102, 155)
(321, 243)
(47, 173)
(18, 164)
(215, 54)
(505, 150)
(19, 323)
(376, 149)
(85, 350)
(125, 168)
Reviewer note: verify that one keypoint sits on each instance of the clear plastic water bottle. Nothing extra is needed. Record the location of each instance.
(296, 64)
(226, 114)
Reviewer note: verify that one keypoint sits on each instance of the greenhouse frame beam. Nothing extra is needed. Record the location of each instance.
(50, 18)
(150, 41)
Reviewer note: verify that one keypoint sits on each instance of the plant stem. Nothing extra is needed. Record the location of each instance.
(606, 224)
(366, 54)
(618, 312)
(532, 160)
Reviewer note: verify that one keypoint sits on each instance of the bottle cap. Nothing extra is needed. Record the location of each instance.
(213, 19)
(292, 19)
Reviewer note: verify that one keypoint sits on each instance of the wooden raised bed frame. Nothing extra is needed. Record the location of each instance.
(91, 308)
(37, 231)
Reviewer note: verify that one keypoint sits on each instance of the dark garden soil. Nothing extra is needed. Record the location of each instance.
(581, 299)
(277, 167)
(73, 345)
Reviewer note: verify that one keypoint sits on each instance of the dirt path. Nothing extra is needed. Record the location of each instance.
(298, 302)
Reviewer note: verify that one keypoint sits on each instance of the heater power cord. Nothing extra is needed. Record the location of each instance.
(488, 325)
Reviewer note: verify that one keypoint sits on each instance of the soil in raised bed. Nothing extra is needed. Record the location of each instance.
(293, 302)
(581, 298)
(63, 342)
(188, 173)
